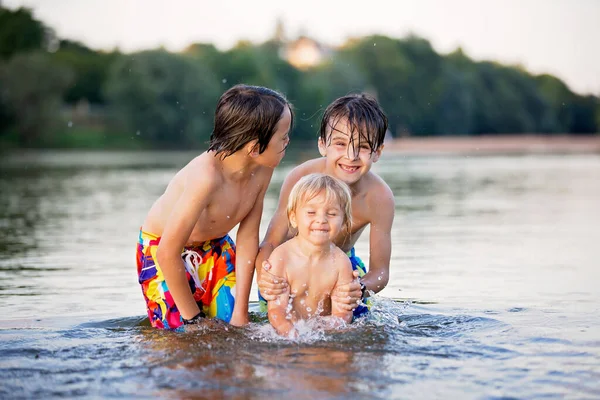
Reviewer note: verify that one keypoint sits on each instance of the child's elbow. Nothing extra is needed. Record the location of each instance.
(163, 256)
(160, 255)
(282, 326)
(382, 281)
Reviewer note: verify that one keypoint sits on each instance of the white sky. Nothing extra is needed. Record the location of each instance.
(561, 37)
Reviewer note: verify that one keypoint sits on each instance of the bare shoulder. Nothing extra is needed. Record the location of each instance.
(341, 260)
(379, 192)
(343, 266)
(202, 173)
(308, 167)
(278, 258)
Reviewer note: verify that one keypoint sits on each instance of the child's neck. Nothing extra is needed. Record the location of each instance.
(311, 250)
(238, 166)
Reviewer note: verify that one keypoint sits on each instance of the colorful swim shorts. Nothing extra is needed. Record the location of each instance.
(357, 264)
(210, 271)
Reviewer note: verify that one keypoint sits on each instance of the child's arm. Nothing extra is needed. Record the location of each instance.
(345, 275)
(177, 230)
(380, 240)
(278, 308)
(246, 249)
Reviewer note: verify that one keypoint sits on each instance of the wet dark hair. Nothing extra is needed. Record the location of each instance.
(245, 113)
(364, 116)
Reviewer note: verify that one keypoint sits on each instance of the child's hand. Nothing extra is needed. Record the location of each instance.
(271, 286)
(348, 295)
(293, 334)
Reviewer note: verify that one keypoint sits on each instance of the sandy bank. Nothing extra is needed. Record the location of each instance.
(496, 145)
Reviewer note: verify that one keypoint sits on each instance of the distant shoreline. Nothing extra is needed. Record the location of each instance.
(495, 145)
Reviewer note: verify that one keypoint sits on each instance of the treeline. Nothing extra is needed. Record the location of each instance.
(56, 92)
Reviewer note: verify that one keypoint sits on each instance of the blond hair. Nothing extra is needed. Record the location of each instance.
(312, 185)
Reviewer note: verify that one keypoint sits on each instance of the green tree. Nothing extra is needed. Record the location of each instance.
(168, 99)
(584, 114)
(319, 87)
(20, 32)
(406, 76)
(456, 105)
(33, 87)
(90, 68)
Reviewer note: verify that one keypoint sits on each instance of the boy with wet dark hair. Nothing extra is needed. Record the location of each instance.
(187, 264)
(350, 140)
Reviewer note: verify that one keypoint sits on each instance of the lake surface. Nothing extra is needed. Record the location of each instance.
(494, 288)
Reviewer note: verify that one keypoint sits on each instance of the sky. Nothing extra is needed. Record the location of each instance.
(560, 37)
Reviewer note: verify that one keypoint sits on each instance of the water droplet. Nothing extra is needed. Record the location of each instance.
(70, 124)
(378, 278)
(228, 217)
(374, 44)
(308, 309)
(138, 133)
(224, 80)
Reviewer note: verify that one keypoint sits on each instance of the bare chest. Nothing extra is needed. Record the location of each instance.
(229, 207)
(360, 219)
(310, 292)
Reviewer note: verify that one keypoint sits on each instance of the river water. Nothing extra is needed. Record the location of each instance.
(493, 290)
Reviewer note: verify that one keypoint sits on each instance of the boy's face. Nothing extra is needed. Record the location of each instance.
(275, 150)
(346, 160)
(318, 221)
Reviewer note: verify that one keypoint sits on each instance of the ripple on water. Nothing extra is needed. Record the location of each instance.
(399, 345)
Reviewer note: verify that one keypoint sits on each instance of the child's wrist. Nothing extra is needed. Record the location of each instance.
(363, 290)
(195, 319)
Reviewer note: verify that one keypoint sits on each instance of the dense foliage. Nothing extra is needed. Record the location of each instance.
(55, 92)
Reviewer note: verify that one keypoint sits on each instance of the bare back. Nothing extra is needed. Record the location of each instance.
(229, 202)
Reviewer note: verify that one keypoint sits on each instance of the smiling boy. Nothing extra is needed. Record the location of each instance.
(351, 140)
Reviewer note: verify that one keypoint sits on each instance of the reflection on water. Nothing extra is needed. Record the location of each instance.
(496, 256)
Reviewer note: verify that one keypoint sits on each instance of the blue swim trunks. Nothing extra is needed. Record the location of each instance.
(357, 265)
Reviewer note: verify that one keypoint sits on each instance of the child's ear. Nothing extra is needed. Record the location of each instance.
(253, 149)
(322, 147)
(292, 218)
(377, 153)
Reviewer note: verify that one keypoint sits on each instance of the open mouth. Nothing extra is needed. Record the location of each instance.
(348, 169)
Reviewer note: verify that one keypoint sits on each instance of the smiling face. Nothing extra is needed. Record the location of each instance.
(349, 155)
(318, 220)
